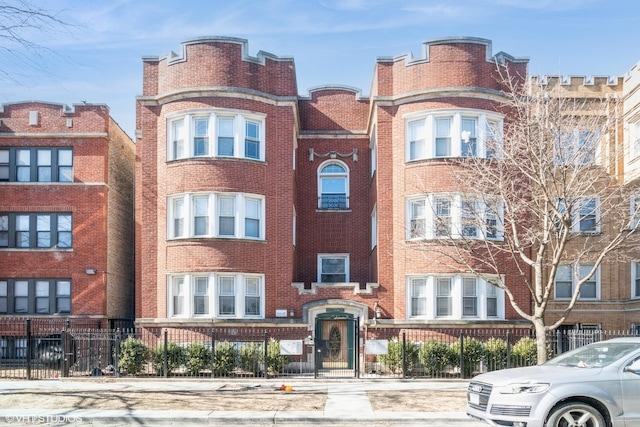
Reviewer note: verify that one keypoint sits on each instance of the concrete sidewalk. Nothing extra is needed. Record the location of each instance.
(346, 403)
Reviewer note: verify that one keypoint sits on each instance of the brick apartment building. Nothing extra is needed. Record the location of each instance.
(66, 214)
(257, 206)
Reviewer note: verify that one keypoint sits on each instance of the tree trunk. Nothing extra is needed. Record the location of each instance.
(541, 339)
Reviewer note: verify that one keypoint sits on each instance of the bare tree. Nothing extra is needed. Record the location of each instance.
(546, 196)
(21, 23)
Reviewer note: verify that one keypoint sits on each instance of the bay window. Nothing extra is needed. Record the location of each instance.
(453, 215)
(216, 295)
(216, 133)
(212, 215)
(452, 133)
(454, 296)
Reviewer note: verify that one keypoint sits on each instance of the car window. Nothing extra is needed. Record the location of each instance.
(594, 355)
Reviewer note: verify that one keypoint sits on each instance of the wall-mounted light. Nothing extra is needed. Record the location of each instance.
(292, 312)
(90, 271)
(377, 311)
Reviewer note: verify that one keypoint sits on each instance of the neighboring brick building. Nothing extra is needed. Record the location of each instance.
(66, 213)
(256, 206)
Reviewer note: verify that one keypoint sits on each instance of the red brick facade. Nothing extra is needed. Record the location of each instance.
(96, 260)
(361, 138)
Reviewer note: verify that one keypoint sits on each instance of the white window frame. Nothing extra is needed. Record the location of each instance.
(572, 144)
(634, 139)
(322, 176)
(574, 270)
(240, 294)
(421, 131)
(240, 213)
(344, 257)
(187, 120)
(420, 226)
(634, 211)
(577, 214)
(484, 292)
(373, 147)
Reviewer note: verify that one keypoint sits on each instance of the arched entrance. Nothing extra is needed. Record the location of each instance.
(336, 344)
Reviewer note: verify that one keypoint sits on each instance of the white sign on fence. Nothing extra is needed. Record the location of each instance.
(376, 347)
(291, 347)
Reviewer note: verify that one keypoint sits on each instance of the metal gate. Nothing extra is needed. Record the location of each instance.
(336, 341)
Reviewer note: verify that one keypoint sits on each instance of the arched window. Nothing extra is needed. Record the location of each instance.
(333, 186)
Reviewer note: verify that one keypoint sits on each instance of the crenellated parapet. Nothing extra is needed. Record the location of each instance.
(457, 63)
(580, 86)
(218, 63)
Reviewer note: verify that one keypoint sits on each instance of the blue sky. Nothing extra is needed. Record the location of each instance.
(99, 58)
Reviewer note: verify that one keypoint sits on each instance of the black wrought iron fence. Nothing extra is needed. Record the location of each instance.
(50, 348)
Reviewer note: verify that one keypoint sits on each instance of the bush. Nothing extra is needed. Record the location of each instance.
(224, 358)
(197, 358)
(175, 358)
(495, 350)
(275, 361)
(133, 355)
(250, 355)
(524, 352)
(472, 354)
(435, 356)
(393, 359)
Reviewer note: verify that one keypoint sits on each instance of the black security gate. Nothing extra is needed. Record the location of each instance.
(336, 345)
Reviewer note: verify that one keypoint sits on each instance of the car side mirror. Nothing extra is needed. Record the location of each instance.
(634, 367)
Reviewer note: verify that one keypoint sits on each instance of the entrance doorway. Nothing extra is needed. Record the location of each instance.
(336, 345)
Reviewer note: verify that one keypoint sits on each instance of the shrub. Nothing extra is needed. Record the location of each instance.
(495, 350)
(393, 359)
(435, 356)
(224, 358)
(175, 357)
(524, 352)
(133, 355)
(275, 361)
(472, 354)
(197, 358)
(250, 355)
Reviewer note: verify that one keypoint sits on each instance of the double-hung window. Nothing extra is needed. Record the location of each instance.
(569, 275)
(333, 268)
(443, 137)
(442, 217)
(201, 136)
(207, 215)
(35, 296)
(469, 297)
(216, 133)
(469, 218)
(583, 214)
(200, 295)
(577, 147)
(444, 303)
(38, 164)
(418, 297)
(587, 217)
(35, 230)
(468, 137)
(452, 133)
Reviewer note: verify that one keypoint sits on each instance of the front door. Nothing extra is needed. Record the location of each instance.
(335, 342)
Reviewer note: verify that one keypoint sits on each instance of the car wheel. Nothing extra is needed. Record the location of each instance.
(575, 414)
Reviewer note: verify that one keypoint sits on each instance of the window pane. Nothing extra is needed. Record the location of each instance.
(178, 218)
(65, 165)
(4, 231)
(588, 215)
(252, 142)
(417, 146)
(43, 229)
(468, 134)
(443, 137)
(226, 216)
(23, 165)
(589, 288)
(178, 139)
(201, 140)
(22, 231)
(226, 298)
(252, 219)
(564, 281)
(201, 296)
(225, 136)
(178, 295)
(333, 270)
(418, 297)
(63, 288)
(252, 297)
(64, 231)
(418, 219)
(201, 211)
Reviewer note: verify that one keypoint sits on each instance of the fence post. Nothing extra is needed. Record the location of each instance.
(28, 355)
(63, 365)
(404, 354)
(213, 354)
(462, 374)
(165, 354)
(116, 354)
(266, 354)
(508, 349)
(357, 345)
